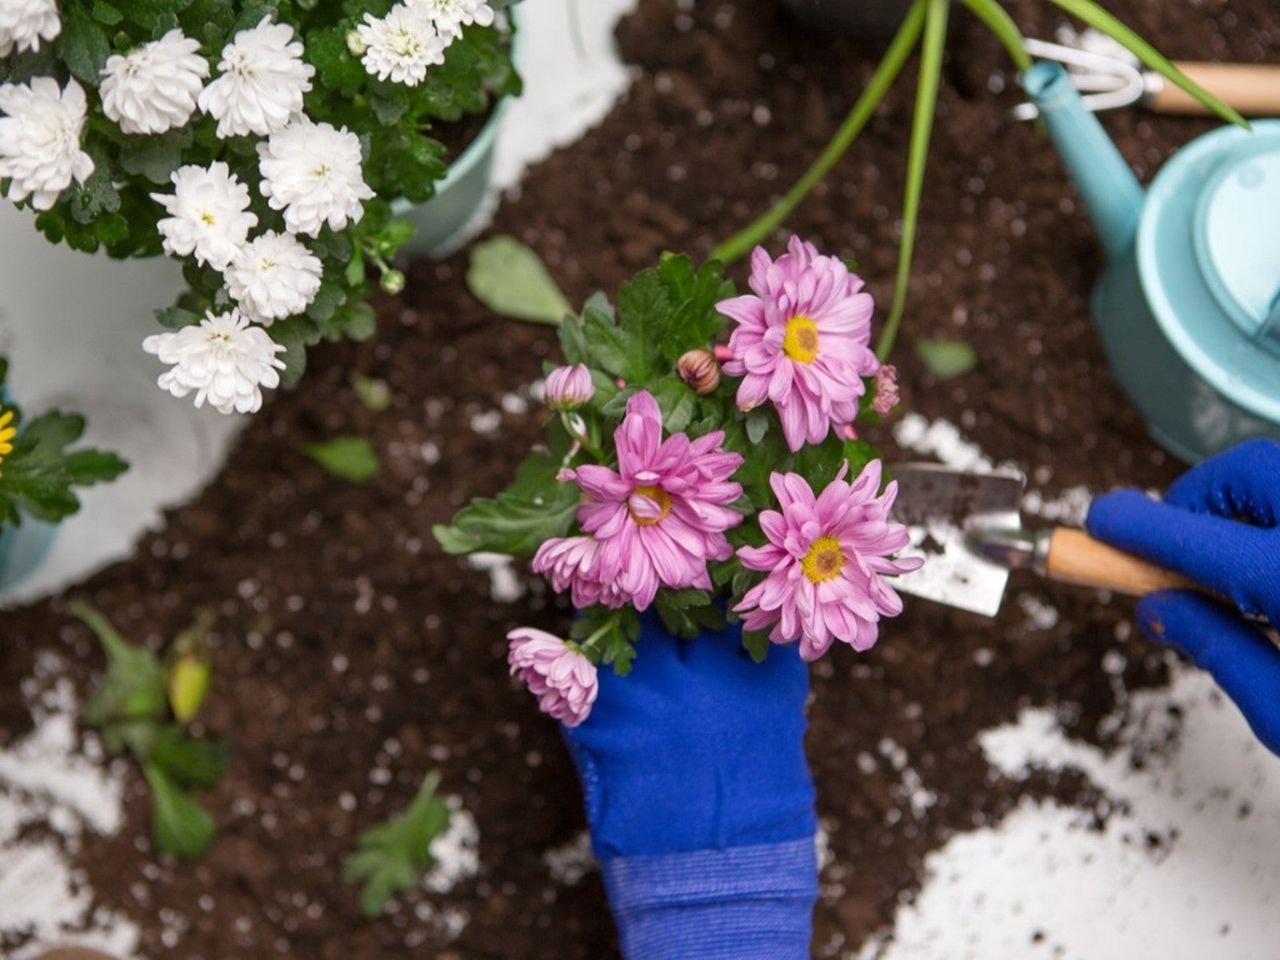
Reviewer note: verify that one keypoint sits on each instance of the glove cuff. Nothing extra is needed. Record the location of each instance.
(743, 903)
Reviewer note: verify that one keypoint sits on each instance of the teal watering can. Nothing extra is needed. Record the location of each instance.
(1189, 305)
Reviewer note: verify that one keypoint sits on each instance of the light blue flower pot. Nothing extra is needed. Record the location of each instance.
(22, 548)
(445, 222)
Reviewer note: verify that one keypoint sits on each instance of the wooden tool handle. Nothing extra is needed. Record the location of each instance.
(1253, 89)
(1075, 557)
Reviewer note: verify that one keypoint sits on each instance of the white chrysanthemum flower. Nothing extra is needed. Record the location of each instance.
(208, 214)
(401, 45)
(274, 276)
(313, 173)
(263, 78)
(154, 88)
(222, 359)
(40, 140)
(24, 23)
(454, 14)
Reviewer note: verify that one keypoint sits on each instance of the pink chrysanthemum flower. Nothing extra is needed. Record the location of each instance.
(827, 557)
(563, 680)
(662, 515)
(802, 341)
(572, 563)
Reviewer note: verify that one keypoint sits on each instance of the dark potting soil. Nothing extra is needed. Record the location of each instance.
(353, 657)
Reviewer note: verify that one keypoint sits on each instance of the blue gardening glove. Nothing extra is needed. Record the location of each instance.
(700, 801)
(1219, 525)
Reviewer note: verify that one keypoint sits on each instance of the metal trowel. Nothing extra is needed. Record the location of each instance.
(968, 526)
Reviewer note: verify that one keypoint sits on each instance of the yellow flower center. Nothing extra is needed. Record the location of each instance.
(7, 432)
(801, 340)
(207, 218)
(658, 496)
(824, 560)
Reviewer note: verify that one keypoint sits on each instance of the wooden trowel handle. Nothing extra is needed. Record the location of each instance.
(1075, 557)
(1253, 89)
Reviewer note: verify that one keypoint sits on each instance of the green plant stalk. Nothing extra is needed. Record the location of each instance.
(935, 35)
(999, 22)
(1100, 19)
(890, 66)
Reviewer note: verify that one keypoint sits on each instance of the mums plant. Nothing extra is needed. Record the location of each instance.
(704, 480)
(261, 144)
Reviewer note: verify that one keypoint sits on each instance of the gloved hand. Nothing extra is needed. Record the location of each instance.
(700, 801)
(1219, 525)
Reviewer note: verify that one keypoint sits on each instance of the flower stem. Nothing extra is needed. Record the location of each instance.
(588, 646)
(935, 34)
(740, 243)
(581, 436)
(1001, 24)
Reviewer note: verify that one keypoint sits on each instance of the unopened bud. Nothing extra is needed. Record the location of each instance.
(356, 44)
(699, 369)
(887, 396)
(392, 281)
(189, 669)
(568, 388)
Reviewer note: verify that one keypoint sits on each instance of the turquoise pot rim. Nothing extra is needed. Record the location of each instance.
(479, 148)
(1206, 364)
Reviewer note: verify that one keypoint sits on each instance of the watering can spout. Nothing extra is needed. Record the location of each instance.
(1111, 192)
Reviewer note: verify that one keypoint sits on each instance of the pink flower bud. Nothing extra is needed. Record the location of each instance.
(568, 388)
(699, 369)
(887, 396)
(563, 680)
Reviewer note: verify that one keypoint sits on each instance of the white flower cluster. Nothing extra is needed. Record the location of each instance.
(311, 172)
(414, 36)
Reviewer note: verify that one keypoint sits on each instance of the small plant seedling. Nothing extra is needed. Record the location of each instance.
(374, 393)
(141, 707)
(349, 458)
(511, 280)
(392, 855)
(946, 358)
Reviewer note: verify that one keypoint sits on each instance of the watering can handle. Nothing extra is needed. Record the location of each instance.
(1252, 89)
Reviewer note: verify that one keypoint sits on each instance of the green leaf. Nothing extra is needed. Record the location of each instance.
(935, 35)
(175, 318)
(350, 458)
(676, 401)
(1003, 26)
(756, 643)
(337, 68)
(133, 685)
(188, 762)
(946, 358)
(155, 157)
(106, 14)
(757, 425)
(1101, 20)
(179, 826)
(83, 45)
(375, 394)
(862, 110)
(535, 508)
(85, 467)
(391, 855)
(510, 279)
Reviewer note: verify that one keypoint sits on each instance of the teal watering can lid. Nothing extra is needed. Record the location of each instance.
(1237, 234)
(1209, 256)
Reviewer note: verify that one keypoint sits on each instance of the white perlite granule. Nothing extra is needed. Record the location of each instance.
(455, 851)
(570, 862)
(51, 778)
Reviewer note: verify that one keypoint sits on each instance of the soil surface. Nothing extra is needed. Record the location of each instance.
(353, 657)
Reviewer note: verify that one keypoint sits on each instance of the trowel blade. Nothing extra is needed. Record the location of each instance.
(938, 505)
